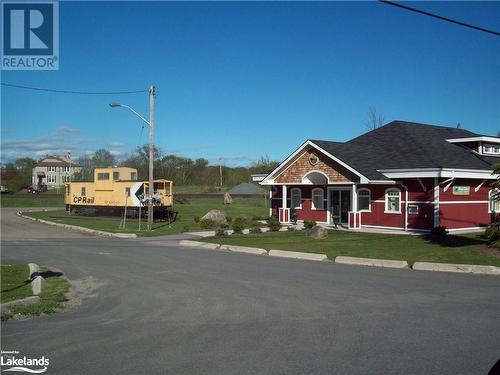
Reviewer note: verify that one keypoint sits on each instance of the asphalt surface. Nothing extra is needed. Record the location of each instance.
(158, 308)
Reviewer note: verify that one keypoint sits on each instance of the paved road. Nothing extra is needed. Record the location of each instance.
(163, 309)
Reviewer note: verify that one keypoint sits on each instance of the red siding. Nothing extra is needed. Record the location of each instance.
(465, 211)
(377, 216)
(465, 215)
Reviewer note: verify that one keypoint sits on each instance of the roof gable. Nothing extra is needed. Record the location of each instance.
(398, 145)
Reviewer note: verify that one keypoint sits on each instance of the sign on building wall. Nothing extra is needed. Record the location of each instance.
(313, 159)
(461, 190)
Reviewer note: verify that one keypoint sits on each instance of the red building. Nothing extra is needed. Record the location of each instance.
(402, 175)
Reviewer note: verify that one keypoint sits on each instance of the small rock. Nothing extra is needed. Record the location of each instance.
(318, 232)
(217, 216)
(228, 199)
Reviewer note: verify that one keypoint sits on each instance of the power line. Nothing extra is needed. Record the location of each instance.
(440, 17)
(73, 92)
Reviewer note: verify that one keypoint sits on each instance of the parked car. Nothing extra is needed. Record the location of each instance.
(4, 189)
(31, 190)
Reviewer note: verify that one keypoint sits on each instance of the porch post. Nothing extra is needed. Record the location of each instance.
(283, 199)
(354, 198)
(436, 203)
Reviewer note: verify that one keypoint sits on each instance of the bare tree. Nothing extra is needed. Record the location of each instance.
(374, 120)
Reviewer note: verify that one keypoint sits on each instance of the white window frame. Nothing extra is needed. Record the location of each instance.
(51, 179)
(491, 149)
(414, 206)
(391, 190)
(313, 206)
(292, 190)
(67, 178)
(65, 169)
(369, 199)
(51, 169)
(491, 202)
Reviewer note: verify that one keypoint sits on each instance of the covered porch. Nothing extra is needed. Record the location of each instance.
(317, 198)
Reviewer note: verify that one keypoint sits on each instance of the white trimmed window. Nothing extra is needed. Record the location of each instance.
(51, 169)
(67, 178)
(494, 205)
(51, 179)
(364, 200)
(103, 176)
(393, 201)
(295, 198)
(492, 149)
(318, 199)
(65, 169)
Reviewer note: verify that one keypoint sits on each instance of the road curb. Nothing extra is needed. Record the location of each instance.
(244, 249)
(77, 228)
(372, 262)
(298, 255)
(205, 245)
(459, 268)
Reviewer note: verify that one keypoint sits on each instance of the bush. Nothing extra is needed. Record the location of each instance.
(255, 230)
(229, 219)
(273, 224)
(220, 231)
(257, 217)
(492, 233)
(207, 224)
(239, 224)
(439, 231)
(309, 224)
(196, 219)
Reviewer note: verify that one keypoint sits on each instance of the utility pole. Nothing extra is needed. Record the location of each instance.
(220, 172)
(151, 147)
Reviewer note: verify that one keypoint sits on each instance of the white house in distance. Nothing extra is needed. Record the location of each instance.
(53, 171)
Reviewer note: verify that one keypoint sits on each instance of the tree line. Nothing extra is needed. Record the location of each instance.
(183, 171)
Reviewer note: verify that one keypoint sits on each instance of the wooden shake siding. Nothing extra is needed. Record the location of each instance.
(295, 172)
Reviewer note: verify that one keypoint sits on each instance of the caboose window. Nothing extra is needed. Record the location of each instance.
(116, 176)
(133, 176)
(83, 191)
(103, 176)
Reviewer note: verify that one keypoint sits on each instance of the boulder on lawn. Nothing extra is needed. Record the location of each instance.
(318, 232)
(217, 216)
(228, 199)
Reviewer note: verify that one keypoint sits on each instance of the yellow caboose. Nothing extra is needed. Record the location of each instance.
(115, 189)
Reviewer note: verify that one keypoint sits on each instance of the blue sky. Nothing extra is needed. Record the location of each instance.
(243, 80)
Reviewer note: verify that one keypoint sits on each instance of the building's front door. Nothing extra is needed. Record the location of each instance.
(340, 205)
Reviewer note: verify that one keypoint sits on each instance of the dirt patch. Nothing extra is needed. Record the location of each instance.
(81, 289)
(490, 251)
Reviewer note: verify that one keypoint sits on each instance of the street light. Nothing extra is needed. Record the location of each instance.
(151, 146)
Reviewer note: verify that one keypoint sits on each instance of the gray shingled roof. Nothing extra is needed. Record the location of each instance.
(247, 189)
(406, 145)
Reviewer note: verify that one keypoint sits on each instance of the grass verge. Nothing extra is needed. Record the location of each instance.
(461, 249)
(196, 207)
(15, 283)
(30, 201)
(51, 298)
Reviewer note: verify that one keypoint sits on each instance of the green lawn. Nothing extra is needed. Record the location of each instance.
(192, 189)
(30, 201)
(51, 298)
(15, 282)
(241, 207)
(464, 249)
